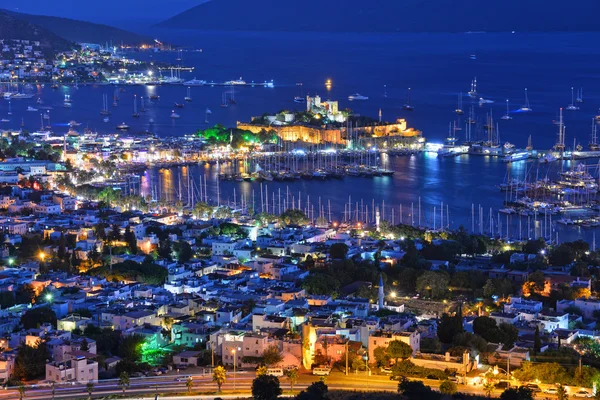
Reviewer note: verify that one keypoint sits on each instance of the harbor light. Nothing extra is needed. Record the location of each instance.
(149, 73)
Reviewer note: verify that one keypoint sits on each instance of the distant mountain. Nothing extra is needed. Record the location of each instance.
(82, 31)
(390, 15)
(15, 28)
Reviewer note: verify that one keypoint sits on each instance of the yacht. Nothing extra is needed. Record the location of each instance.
(22, 96)
(572, 106)
(123, 126)
(548, 157)
(506, 116)
(526, 107)
(178, 105)
(485, 101)
(32, 109)
(195, 82)
(105, 119)
(517, 156)
(357, 96)
(299, 99)
(154, 97)
(174, 115)
(73, 124)
(459, 108)
(188, 96)
(473, 91)
(39, 100)
(236, 82)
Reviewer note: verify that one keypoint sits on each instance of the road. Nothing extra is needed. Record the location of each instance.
(234, 387)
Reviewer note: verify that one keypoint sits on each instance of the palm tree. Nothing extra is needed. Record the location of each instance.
(124, 381)
(189, 383)
(488, 388)
(292, 375)
(21, 390)
(219, 376)
(90, 388)
(53, 390)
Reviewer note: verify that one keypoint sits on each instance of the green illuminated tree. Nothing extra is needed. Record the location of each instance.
(189, 384)
(219, 376)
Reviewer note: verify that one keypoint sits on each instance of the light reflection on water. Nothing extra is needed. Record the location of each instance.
(458, 183)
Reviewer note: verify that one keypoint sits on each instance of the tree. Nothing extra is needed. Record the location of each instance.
(338, 250)
(219, 376)
(292, 375)
(488, 388)
(521, 393)
(115, 233)
(398, 349)
(189, 384)
(316, 391)
(62, 251)
(130, 239)
(184, 253)
(537, 342)
(272, 355)
(90, 388)
(30, 362)
(293, 217)
(84, 345)
(381, 356)
(561, 392)
(432, 284)
(449, 327)
(415, 390)
(21, 390)
(34, 317)
(266, 387)
(448, 387)
(123, 381)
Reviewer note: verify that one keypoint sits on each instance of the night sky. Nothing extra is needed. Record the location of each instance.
(108, 11)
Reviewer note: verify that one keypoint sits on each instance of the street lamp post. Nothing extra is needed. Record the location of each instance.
(234, 367)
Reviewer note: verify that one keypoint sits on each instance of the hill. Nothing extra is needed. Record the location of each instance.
(15, 28)
(81, 31)
(389, 16)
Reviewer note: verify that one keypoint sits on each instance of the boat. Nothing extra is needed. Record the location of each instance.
(517, 156)
(236, 82)
(357, 96)
(31, 109)
(407, 106)
(189, 95)
(67, 101)
(154, 97)
(174, 115)
(548, 157)
(473, 91)
(22, 96)
(572, 106)
(46, 116)
(104, 110)
(123, 126)
(224, 102)
(135, 113)
(142, 108)
(526, 107)
(55, 86)
(105, 119)
(300, 98)
(39, 100)
(485, 101)
(593, 145)
(195, 82)
(74, 124)
(151, 120)
(4, 120)
(459, 108)
(473, 57)
(9, 107)
(178, 105)
(507, 115)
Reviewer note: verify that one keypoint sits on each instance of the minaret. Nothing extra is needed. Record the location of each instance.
(381, 295)
(377, 218)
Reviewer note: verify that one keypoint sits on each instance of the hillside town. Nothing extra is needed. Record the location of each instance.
(100, 282)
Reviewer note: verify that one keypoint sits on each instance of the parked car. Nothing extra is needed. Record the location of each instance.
(551, 390)
(582, 393)
(386, 370)
(533, 387)
(183, 378)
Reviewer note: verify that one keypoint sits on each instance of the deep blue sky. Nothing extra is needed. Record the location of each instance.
(117, 12)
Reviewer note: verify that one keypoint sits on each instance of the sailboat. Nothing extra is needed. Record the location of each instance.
(135, 113)
(572, 106)
(299, 99)
(189, 95)
(104, 110)
(174, 115)
(67, 102)
(507, 115)
(142, 108)
(593, 146)
(471, 120)
(408, 106)
(579, 98)
(232, 98)
(459, 109)
(526, 107)
(9, 108)
(473, 91)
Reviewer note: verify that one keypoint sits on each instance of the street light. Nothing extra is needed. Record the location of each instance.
(234, 367)
(42, 255)
(49, 297)
(393, 295)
